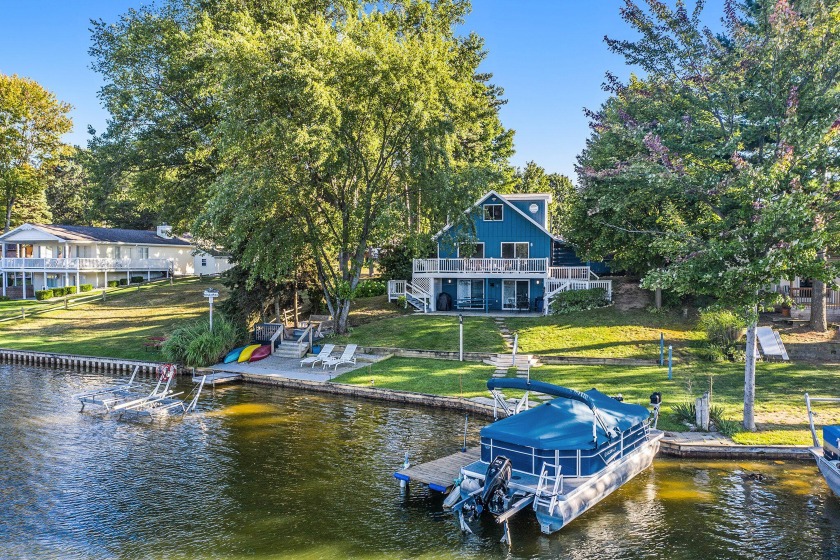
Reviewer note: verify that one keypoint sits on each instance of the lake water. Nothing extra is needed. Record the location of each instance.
(262, 472)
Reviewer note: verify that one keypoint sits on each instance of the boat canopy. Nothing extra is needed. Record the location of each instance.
(566, 422)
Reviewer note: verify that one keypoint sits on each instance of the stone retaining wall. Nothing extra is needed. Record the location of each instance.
(481, 356)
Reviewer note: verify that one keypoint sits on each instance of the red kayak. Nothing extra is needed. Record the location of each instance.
(260, 353)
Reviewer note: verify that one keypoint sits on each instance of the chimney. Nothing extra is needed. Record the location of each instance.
(164, 231)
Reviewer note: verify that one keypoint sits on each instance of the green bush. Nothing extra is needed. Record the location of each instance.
(723, 328)
(722, 425)
(684, 412)
(86, 287)
(137, 279)
(69, 290)
(113, 283)
(123, 281)
(578, 300)
(58, 292)
(194, 345)
(41, 295)
(370, 288)
(5, 298)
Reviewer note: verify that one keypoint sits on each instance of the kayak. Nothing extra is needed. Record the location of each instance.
(260, 353)
(233, 355)
(245, 355)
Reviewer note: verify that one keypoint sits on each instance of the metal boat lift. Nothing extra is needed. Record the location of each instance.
(135, 401)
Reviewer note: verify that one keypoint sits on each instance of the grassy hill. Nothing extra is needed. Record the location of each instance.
(120, 327)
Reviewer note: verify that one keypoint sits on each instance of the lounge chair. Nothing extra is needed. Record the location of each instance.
(347, 357)
(324, 354)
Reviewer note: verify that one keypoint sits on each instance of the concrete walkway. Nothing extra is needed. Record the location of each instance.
(289, 368)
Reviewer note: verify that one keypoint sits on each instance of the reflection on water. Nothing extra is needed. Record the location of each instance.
(263, 472)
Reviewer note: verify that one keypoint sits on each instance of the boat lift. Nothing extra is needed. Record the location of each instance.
(134, 401)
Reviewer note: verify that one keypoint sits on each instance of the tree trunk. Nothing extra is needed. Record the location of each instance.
(9, 205)
(277, 309)
(657, 297)
(297, 307)
(749, 379)
(341, 321)
(819, 320)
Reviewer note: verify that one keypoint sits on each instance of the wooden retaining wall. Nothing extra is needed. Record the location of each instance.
(91, 363)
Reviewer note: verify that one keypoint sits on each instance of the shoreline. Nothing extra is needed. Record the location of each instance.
(700, 445)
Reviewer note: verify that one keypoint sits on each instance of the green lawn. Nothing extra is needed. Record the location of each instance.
(428, 332)
(607, 333)
(780, 408)
(12, 308)
(119, 327)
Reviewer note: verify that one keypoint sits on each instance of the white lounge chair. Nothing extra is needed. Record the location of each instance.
(347, 357)
(324, 354)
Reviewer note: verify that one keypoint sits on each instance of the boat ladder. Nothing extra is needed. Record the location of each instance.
(549, 489)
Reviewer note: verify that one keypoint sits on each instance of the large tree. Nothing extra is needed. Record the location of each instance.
(32, 122)
(730, 153)
(303, 131)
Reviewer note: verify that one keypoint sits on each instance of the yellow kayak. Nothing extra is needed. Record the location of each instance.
(246, 354)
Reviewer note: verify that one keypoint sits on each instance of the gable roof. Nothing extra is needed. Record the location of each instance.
(503, 198)
(101, 234)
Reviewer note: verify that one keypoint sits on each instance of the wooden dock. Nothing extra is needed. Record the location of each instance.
(440, 473)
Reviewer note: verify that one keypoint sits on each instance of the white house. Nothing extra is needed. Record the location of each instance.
(35, 257)
(210, 262)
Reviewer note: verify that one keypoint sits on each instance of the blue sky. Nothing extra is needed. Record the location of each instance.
(548, 55)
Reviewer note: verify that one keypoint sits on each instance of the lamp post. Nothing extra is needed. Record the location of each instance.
(211, 294)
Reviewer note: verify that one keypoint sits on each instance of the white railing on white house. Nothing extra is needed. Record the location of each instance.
(481, 266)
(73, 264)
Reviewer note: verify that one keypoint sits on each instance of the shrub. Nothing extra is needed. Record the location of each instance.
(370, 288)
(69, 290)
(194, 345)
(58, 292)
(711, 353)
(113, 283)
(137, 279)
(123, 281)
(86, 287)
(723, 328)
(685, 412)
(402, 302)
(41, 295)
(722, 425)
(5, 298)
(578, 300)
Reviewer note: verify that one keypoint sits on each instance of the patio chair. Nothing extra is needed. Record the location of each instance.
(347, 357)
(324, 354)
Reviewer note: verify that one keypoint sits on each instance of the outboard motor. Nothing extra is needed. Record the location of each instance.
(495, 494)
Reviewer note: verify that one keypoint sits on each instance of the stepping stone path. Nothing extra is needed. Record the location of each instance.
(502, 371)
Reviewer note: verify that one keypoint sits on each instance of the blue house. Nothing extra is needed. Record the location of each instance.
(503, 259)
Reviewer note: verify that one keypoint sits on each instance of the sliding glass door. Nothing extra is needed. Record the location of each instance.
(515, 294)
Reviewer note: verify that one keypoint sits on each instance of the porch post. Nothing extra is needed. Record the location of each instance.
(106, 278)
(486, 295)
(78, 288)
(24, 283)
(3, 267)
(45, 280)
(432, 303)
(4, 283)
(66, 278)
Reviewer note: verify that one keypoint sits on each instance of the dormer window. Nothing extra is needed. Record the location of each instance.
(493, 213)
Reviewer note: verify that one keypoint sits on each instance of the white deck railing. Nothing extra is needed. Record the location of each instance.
(481, 266)
(84, 264)
(571, 273)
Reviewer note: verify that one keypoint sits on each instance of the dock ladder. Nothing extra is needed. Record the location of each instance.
(549, 489)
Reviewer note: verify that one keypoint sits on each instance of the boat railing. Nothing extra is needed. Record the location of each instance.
(619, 447)
(808, 400)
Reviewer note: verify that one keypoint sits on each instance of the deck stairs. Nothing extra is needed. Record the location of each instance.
(291, 349)
(549, 489)
(418, 294)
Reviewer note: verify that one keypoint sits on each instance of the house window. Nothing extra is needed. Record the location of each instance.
(493, 213)
(471, 250)
(142, 252)
(203, 262)
(515, 250)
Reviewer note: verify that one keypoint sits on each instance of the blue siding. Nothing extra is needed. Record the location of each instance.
(512, 228)
(525, 206)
